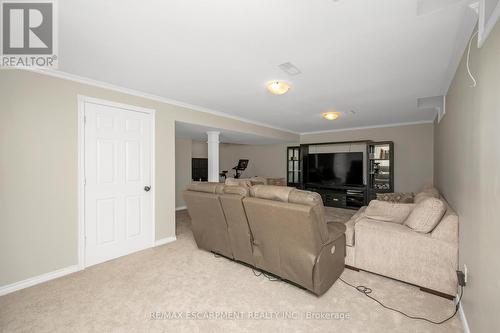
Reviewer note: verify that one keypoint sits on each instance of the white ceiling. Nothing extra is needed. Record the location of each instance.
(199, 133)
(374, 57)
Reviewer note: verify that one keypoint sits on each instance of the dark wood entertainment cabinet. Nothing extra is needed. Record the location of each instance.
(378, 173)
(352, 197)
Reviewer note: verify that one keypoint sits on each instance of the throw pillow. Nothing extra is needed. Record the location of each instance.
(426, 215)
(388, 211)
(396, 197)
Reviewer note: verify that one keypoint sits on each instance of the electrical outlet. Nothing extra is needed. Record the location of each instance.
(466, 274)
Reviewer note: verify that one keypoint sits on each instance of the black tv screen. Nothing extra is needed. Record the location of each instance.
(335, 169)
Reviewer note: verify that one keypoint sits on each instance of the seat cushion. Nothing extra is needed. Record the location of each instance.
(426, 215)
(388, 211)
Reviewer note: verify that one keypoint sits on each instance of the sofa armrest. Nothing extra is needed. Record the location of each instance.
(335, 231)
(329, 263)
(349, 233)
(447, 229)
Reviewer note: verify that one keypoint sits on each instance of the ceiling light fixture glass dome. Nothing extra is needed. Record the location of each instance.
(332, 115)
(278, 87)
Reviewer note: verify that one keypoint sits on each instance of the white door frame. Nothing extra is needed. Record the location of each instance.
(81, 167)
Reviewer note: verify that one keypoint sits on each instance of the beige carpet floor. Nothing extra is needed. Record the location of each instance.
(189, 285)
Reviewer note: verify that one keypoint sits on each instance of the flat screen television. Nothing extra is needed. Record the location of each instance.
(335, 169)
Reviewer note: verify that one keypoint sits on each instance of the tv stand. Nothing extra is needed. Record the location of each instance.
(378, 171)
(340, 196)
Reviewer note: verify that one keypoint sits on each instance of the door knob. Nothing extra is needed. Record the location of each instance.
(147, 188)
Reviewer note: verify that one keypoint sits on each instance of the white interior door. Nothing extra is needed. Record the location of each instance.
(118, 161)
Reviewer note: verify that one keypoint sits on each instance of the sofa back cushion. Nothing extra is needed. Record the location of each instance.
(256, 180)
(238, 182)
(239, 190)
(428, 191)
(388, 211)
(426, 215)
(287, 238)
(276, 181)
(401, 197)
(305, 198)
(207, 187)
(292, 195)
(207, 217)
(288, 229)
(237, 224)
(271, 192)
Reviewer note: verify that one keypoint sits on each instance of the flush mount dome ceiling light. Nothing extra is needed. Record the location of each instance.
(278, 87)
(332, 115)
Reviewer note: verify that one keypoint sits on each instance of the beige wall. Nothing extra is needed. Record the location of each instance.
(265, 160)
(200, 149)
(467, 165)
(38, 167)
(413, 145)
(183, 148)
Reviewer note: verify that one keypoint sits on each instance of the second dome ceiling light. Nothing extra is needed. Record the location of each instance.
(278, 87)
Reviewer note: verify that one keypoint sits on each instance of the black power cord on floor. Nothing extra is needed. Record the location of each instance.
(367, 291)
(257, 272)
(269, 277)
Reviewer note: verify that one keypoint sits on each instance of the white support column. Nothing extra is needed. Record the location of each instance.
(213, 156)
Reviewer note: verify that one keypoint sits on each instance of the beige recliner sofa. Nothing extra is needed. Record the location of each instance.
(393, 249)
(277, 229)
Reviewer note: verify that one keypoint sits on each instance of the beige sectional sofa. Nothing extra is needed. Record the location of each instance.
(416, 243)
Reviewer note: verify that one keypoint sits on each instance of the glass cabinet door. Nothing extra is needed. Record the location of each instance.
(381, 167)
(293, 166)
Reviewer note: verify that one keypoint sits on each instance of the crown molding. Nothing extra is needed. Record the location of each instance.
(485, 28)
(137, 93)
(369, 127)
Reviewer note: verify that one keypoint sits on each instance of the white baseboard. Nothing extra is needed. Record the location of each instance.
(165, 240)
(7, 289)
(180, 208)
(10, 288)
